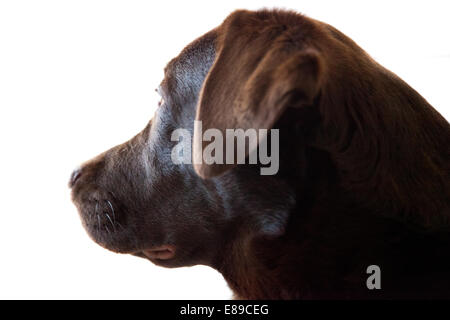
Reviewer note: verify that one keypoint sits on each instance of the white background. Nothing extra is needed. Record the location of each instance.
(77, 77)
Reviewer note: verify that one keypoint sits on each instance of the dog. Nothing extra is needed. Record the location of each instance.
(363, 179)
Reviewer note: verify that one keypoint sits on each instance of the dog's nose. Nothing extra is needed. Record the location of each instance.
(76, 174)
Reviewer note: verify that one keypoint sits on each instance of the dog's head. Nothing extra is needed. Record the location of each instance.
(258, 70)
(134, 199)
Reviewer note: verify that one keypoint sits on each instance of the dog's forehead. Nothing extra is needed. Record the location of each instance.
(189, 68)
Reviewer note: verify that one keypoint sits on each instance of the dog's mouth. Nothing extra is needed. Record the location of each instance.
(105, 226)
(103, 218)
(164, 252)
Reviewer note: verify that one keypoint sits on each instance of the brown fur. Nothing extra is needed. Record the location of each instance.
(364, 169)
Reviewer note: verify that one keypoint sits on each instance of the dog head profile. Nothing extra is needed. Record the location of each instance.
(357, 158)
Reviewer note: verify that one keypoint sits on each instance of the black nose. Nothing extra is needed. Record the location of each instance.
(74, 177)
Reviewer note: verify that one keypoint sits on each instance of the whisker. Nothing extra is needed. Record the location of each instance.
(112, 223)
(96, 208)
(112, 209)
(118, 224)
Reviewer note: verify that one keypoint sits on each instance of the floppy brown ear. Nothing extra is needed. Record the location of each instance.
(261, 68)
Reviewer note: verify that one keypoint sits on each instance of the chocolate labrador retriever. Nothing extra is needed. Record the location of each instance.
(358, 208)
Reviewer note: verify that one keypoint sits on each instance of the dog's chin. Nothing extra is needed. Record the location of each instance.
(101, 217)
(107, 226)
(118, 240)
(124, 241)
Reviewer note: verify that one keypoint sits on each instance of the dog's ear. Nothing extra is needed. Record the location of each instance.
(261, 68)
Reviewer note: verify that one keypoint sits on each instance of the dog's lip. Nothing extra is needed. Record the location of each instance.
(164, 252)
